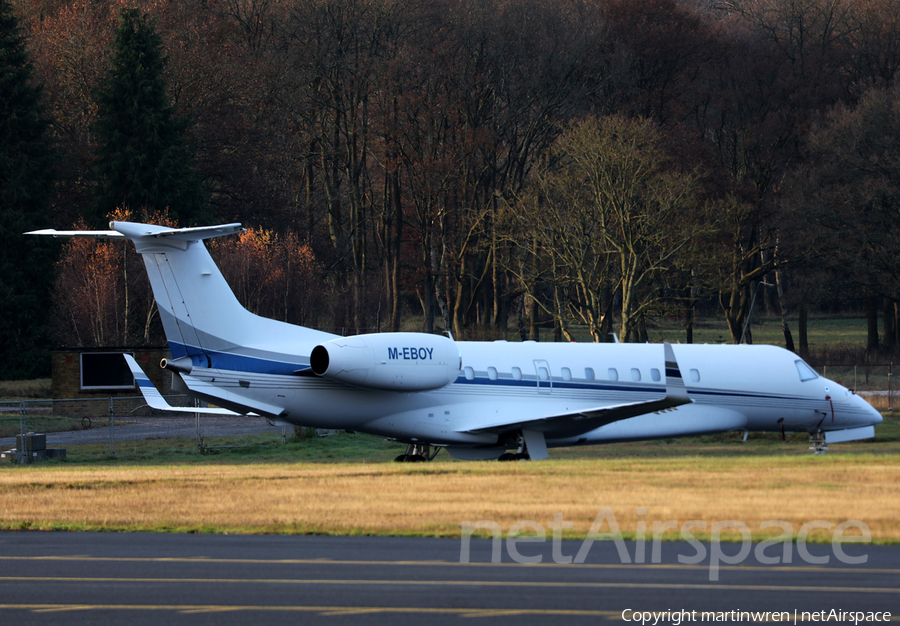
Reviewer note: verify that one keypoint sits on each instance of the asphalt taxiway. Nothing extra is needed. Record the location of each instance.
(137, 578)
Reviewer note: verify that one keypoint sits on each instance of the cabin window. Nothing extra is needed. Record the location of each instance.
(543, 374)
(589, 373)
(613, 374)
(566, 373)
(516, 373)
(469, 372)
(635, 374)
(695, 376)
(805, 371)
(492, 373)
(655, 375)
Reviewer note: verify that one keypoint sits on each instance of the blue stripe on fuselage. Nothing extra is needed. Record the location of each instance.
(238, 362)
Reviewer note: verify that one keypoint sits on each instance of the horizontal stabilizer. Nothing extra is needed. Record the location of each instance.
(136, 231)
(90, 234)
(198, 233)
(156, 401)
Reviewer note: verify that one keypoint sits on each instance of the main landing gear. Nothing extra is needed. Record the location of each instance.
(514, 456)
(530, 446)
(817, 442)
(418, 453)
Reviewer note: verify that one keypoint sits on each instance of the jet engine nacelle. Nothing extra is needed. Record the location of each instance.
(390, 361)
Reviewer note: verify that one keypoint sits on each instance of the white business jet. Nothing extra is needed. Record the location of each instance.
(479, 400)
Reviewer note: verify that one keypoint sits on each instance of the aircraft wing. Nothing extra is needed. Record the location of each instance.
(156, 401)
(573, 423)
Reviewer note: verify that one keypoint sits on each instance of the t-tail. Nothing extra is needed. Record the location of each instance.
(204, 323)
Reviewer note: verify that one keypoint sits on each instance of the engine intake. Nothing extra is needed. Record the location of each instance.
(389, 361)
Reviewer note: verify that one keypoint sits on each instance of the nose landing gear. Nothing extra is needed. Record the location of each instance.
(817, 442)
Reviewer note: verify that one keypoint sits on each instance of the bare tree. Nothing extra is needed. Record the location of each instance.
(615, 215)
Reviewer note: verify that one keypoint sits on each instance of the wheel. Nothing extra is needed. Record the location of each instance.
(415, 458)
(403, 458)
(508, 456)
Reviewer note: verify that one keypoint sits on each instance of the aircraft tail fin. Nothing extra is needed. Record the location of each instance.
(200, 314)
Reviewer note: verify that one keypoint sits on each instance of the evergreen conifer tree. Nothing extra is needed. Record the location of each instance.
(26, 263)
(143, 162)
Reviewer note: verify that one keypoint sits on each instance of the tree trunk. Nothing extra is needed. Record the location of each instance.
(689, 315)
(788, 339)
(395, 254)
(802, 331)
(428, 302)
(872, 323)
(890, 333)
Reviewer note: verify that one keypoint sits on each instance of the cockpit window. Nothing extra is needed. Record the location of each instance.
(805, 371)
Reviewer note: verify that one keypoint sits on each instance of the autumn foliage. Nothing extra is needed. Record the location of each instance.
(103, 296)
(272, 275)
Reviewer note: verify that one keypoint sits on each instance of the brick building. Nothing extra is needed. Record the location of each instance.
(94, 375)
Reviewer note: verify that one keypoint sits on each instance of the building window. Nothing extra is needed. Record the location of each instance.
(105, 370)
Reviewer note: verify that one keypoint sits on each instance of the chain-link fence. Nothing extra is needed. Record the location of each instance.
(109, 420)
(873, 381)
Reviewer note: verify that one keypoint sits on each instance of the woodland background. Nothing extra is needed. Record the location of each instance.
(497, 168)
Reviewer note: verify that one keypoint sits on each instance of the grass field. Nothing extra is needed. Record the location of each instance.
(823, 332)
(13, 390)
(347, 485)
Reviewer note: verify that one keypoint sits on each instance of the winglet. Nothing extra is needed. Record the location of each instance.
(675, 388)
(154, 398)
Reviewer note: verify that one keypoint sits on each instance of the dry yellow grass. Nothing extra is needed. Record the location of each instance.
(434, 499)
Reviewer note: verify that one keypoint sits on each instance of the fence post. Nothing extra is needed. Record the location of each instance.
(891, 387)
(199, 431)
(23, 453)
(112, 429)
